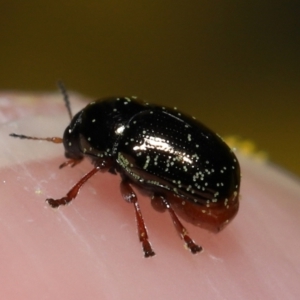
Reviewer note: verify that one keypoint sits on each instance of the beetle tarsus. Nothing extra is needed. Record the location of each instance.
(148, 252)
(192, 246)
(55, 203)
(70, 162)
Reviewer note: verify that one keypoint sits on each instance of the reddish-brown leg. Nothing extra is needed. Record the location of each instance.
(73, 191)
(129, 196)
(181, 230)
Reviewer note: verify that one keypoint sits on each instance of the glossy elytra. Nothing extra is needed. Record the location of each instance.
(184, 167)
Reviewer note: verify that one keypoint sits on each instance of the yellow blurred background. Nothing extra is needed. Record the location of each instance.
(235, 65)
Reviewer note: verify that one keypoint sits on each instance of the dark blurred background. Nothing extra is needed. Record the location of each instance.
(233, 64)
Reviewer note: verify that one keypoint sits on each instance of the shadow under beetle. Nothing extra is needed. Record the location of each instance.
(185, 167)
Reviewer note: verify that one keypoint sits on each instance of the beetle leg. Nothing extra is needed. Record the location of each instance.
(181, 230)
(129, 196)
(72, 162)
(73, 191)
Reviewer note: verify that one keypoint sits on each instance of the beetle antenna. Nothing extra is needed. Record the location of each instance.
(56, 140)
(66, 97)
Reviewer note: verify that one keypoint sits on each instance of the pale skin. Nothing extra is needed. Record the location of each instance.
(90, 249)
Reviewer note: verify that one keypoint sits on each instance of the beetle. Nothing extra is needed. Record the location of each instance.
(186, 168)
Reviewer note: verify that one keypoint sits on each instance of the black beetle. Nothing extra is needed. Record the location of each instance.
(185, 167)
